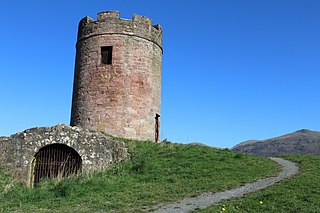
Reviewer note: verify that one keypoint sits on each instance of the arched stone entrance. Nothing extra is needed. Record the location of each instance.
(22, 153)
(55, 160)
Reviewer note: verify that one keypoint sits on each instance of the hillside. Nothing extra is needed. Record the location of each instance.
(300, 142)
(155, 173)
(297, 194)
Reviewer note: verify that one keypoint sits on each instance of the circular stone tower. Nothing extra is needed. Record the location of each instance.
(117, 79)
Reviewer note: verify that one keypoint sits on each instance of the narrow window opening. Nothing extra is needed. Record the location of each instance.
(157, 128)
(106, 55)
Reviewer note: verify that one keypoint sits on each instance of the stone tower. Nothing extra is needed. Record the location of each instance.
(117, 79)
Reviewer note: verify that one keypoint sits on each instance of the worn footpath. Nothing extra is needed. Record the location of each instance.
(208, 199)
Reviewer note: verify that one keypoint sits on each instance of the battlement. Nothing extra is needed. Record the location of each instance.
(110, 23)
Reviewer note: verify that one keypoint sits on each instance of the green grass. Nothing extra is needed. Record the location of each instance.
(155, 173)
(297, 194)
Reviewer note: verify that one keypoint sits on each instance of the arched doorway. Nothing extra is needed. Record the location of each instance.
(55, 160)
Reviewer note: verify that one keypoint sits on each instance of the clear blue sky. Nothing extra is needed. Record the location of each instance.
(232, 70)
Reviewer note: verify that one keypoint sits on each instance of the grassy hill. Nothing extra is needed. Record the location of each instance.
(155, 173)
(297, 194)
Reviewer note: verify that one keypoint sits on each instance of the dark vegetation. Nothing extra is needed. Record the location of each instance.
(155, 173)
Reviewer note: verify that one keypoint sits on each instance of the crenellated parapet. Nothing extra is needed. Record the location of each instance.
(110, 23)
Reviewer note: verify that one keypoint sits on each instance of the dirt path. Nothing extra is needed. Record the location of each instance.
(208, 199)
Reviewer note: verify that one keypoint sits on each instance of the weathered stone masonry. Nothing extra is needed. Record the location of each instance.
(121, 98)
(97, 151)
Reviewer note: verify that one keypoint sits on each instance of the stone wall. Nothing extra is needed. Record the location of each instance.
(96, 150)
(121, 98)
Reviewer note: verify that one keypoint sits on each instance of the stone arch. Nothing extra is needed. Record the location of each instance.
(97, 151)
(55, 161)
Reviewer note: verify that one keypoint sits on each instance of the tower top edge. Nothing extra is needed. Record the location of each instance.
(109, 22)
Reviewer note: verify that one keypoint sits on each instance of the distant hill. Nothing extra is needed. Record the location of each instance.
(303, 141)
(202, 144)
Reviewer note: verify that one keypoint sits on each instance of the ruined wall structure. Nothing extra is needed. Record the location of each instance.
(96, 150)
(117, 81)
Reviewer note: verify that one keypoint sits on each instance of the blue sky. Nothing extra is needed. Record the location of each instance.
(232, 70)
